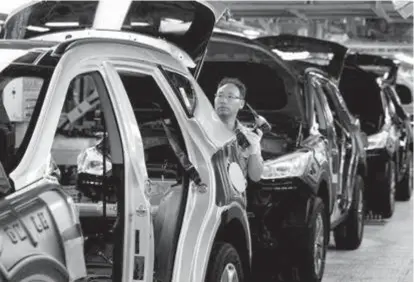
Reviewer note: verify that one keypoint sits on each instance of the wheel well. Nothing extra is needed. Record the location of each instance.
(234, 233)
(323, 193)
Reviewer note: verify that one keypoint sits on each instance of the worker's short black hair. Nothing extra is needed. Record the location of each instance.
(235, 81)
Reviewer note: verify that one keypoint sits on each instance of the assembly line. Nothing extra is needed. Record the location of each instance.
(154, 141)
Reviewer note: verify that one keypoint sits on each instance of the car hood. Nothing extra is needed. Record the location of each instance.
(384, 67)
(335, 53)
(187, 24)
(224, 47)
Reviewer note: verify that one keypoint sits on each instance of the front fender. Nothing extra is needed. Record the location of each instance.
(238, 213)
(231, 226)
(321, 178)
(36, 267)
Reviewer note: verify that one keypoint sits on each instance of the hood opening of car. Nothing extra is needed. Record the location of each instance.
(359, 89)
(266, 93)
(269, 78)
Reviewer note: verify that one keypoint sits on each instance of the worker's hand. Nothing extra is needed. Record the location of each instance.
(254, 138)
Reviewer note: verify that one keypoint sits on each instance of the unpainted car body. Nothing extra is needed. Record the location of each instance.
(136, 230)
(206, 140)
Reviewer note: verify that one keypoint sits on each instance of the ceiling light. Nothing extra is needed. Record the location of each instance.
(139, 24)
(165, 27)
(171, 20)
(37, 28)
(62, 24)
(289, 56)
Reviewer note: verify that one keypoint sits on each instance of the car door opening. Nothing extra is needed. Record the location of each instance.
(168, 179)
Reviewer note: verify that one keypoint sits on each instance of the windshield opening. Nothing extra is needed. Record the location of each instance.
(22, 89)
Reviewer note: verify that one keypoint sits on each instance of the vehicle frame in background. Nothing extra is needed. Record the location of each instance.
(354, 84)
(391, 144)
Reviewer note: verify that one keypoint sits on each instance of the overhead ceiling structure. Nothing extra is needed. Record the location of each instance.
(307, 10)
(377, 27)
(404, 7)
(359, 22)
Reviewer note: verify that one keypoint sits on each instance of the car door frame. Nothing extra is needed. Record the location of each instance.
(352, 124)
(348, 179)
(193, 248)
(328, 134)
(389, 126)
(151, 69)
(137, 207)
(316, 138)
(402, 131)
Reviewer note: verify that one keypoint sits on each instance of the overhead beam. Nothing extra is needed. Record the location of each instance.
(311, 9)
(276, 5)
(311, 16)
(380, 11)
(404, 8)
(283, 14)
(267, 25)
(383, 46)
(298, 14)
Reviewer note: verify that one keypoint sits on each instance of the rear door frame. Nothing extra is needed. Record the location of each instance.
(351, 142)
(335, 174)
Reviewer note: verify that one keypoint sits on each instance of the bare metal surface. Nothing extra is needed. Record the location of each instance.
(385, 255)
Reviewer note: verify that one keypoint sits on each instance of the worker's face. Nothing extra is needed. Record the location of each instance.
(228, 101)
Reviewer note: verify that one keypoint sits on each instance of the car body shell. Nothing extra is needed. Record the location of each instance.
(202, 128)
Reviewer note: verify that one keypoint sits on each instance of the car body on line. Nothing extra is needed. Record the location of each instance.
(385, 122)
(316, 168)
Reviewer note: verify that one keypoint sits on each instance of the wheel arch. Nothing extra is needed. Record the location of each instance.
(234, 229)
(37, 264)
